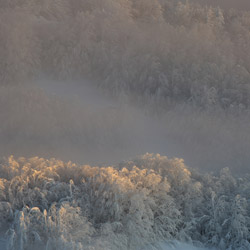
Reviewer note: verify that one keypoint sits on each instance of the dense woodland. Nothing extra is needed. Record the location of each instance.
(49, 204)
(164, 51)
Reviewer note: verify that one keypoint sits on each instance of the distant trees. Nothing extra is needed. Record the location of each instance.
(19, 47)
(129, 46)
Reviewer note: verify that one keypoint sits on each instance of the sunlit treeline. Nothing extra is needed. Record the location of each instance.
(164, 51)
(49, 204)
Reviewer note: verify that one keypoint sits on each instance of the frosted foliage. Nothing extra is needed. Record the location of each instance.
(50, 204)
(163, 51)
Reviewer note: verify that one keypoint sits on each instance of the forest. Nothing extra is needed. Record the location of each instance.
(102, 82)
(163, 50)
(50, 204)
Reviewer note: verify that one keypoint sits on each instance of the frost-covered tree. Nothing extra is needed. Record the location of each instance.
(131, 47)
(50, 204)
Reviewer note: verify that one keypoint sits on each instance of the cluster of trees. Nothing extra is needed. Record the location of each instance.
(164, 51)
(49, 204)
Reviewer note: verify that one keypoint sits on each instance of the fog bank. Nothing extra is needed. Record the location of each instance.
(73, 121)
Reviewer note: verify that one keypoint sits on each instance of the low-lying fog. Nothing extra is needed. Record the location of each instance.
(74, 121)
